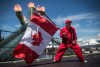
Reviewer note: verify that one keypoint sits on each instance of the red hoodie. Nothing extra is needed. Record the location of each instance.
(71, 35)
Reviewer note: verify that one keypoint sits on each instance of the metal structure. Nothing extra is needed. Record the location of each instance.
(8, 44)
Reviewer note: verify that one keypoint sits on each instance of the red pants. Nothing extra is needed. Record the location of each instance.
(62, 48)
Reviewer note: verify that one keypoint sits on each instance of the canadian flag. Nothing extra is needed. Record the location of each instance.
(36, 38)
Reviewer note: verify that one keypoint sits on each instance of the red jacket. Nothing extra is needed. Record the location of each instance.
(71, 35)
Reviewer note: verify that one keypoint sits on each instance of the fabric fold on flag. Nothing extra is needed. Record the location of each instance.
(36, 38)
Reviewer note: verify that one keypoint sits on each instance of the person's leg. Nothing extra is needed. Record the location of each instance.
(62, 48)
(76, 48)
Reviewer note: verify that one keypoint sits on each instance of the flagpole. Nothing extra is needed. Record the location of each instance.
(41, 10)
(44, 14)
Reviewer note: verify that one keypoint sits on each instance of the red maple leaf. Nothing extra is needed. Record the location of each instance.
(37, 39)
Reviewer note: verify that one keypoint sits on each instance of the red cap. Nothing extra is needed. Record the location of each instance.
(68, 21)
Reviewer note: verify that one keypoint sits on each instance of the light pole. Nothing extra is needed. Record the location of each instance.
(90, 51)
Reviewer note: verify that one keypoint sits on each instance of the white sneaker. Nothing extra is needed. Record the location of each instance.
(85, 61)
(54, 61)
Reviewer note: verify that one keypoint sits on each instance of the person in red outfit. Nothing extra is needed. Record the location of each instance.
(69, 37)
